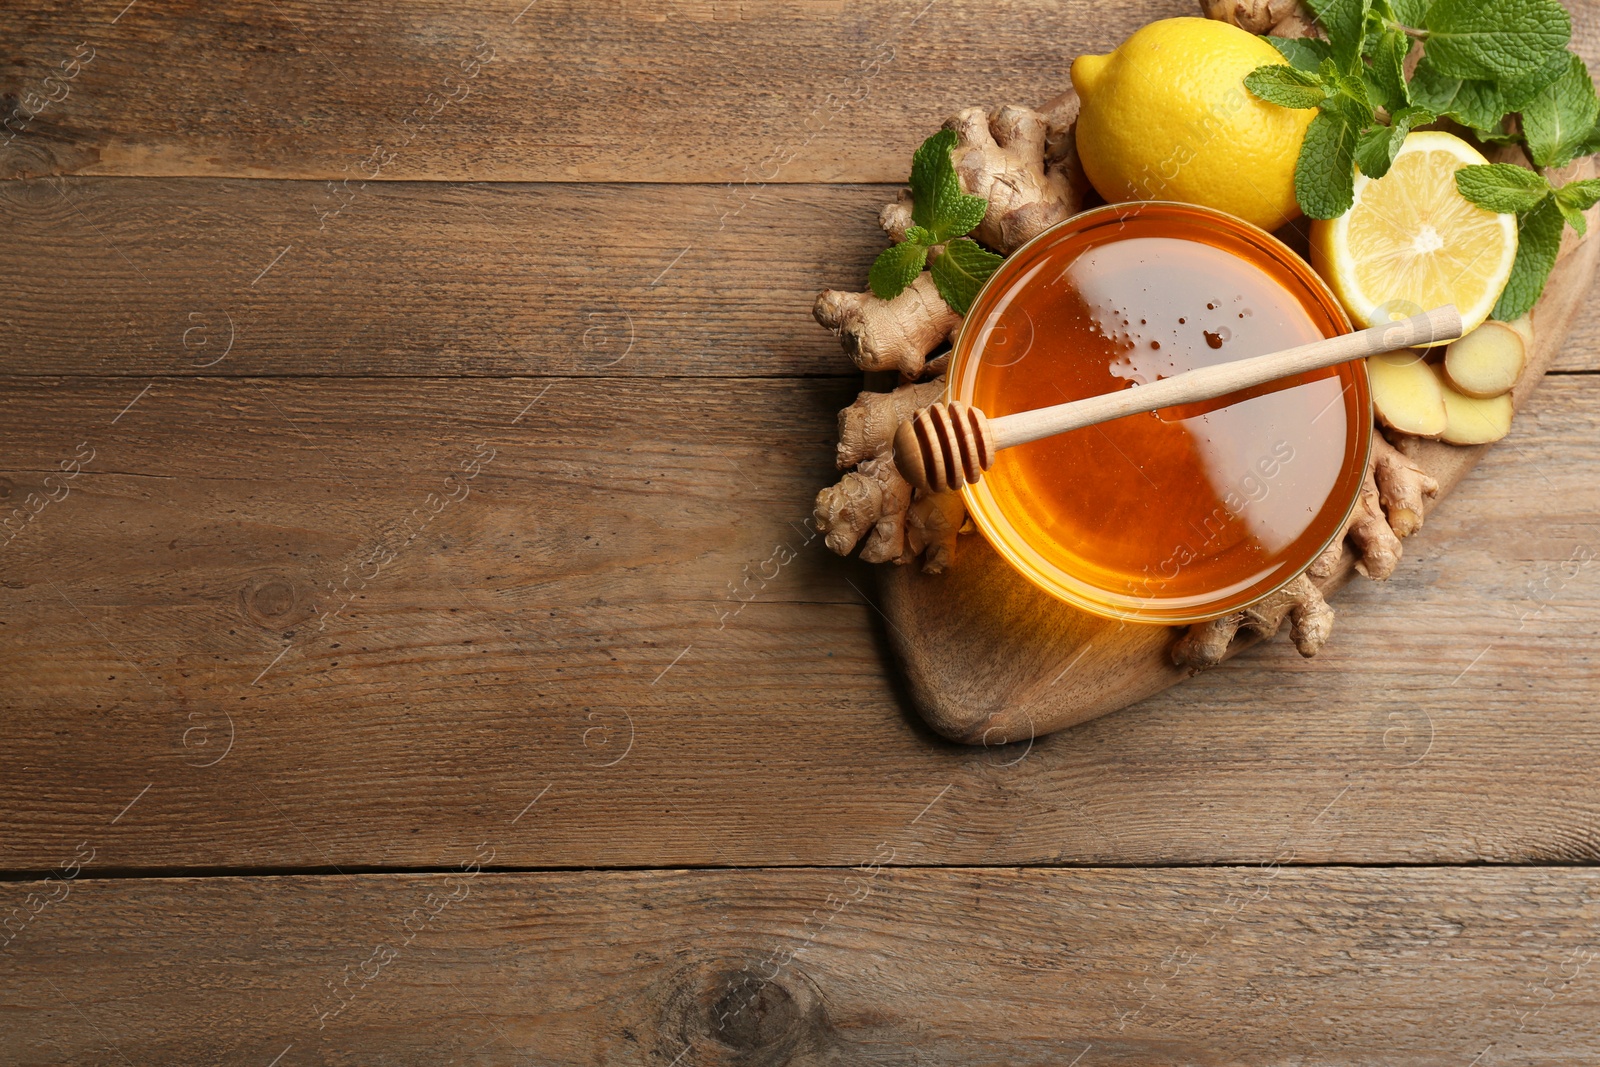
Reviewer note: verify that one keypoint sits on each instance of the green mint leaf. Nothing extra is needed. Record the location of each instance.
(959, 214)
(1581, 195)
(1494, 38)
(1409, 118)
(1387, 75)
(1591, 143)
(1343, 21)
(1286, 86)
(1377, 146)
(1573, 216)
(1502, 187)
(1496, 136)
(1351, 102)
(928, 165)
(1410, 12)
(1538, 242)
(1325, 173)
(1559, 118)
(1304, 53)
(937, 203)
(961, 270)
(1372, 151)
(1470, 101)
(1574, 198)
(895, 268)
(1519, 90)
(918, 235)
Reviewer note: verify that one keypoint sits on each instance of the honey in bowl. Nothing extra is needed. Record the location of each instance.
(1185, 513)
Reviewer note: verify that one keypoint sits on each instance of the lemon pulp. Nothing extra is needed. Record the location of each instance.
(1412, 242)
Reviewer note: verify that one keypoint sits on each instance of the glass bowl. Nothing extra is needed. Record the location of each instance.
(1184, 514)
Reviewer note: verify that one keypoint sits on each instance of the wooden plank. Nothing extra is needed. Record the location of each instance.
(212, 278)
(1250, 966)
(619, 90)
(241, 277)
(263, 560)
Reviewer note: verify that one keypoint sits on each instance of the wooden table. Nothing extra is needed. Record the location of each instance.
(396, 397)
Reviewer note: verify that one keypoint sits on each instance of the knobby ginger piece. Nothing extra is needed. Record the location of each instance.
(1252, 16)
(1404, 489)
(867, 427)
(893, 334)
(1206, 643)
(869, 501)
(1001, 156)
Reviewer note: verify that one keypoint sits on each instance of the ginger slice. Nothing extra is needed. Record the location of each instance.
(1406, 393)
(1474, 420)
(1524, 327)
(1486, 362)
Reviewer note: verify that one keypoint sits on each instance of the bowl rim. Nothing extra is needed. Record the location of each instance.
(980, 512)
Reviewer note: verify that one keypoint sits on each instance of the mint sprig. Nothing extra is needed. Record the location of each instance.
(941, 214)
(1540, 210)
(1558, 119)
(1346, 130)
(960, 271)
(1505, 39)
(1483, 63)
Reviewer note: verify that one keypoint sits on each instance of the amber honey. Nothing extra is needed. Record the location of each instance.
(1181, 514)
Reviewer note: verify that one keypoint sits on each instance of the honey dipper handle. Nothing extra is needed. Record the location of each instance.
(1209, 383)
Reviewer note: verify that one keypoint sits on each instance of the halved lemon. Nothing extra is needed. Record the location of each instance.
(1412, 242)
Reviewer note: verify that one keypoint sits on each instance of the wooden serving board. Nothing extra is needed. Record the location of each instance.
(988, 658)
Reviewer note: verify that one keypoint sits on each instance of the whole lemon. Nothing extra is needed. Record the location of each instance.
(1167, 117)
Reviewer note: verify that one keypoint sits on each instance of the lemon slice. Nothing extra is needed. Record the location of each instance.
(1412, 242)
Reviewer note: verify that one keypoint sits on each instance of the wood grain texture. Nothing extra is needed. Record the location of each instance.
(144, 277)
(637, 90)
(1256, 966)
(989, 658)
(634, 90)
(400, 669)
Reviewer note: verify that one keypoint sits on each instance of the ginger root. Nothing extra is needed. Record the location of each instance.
(1394, 498)
(873, 497)
(932, 524)
(1395, 495)
(1001, 156)
(1252, 16)
(873, 500)
(1280, 18)
(893, 334)
(867, 426)
(1206, 643)
(1405, 490)
(1025, 163)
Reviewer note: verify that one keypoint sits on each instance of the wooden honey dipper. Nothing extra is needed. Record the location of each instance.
(947, 444)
